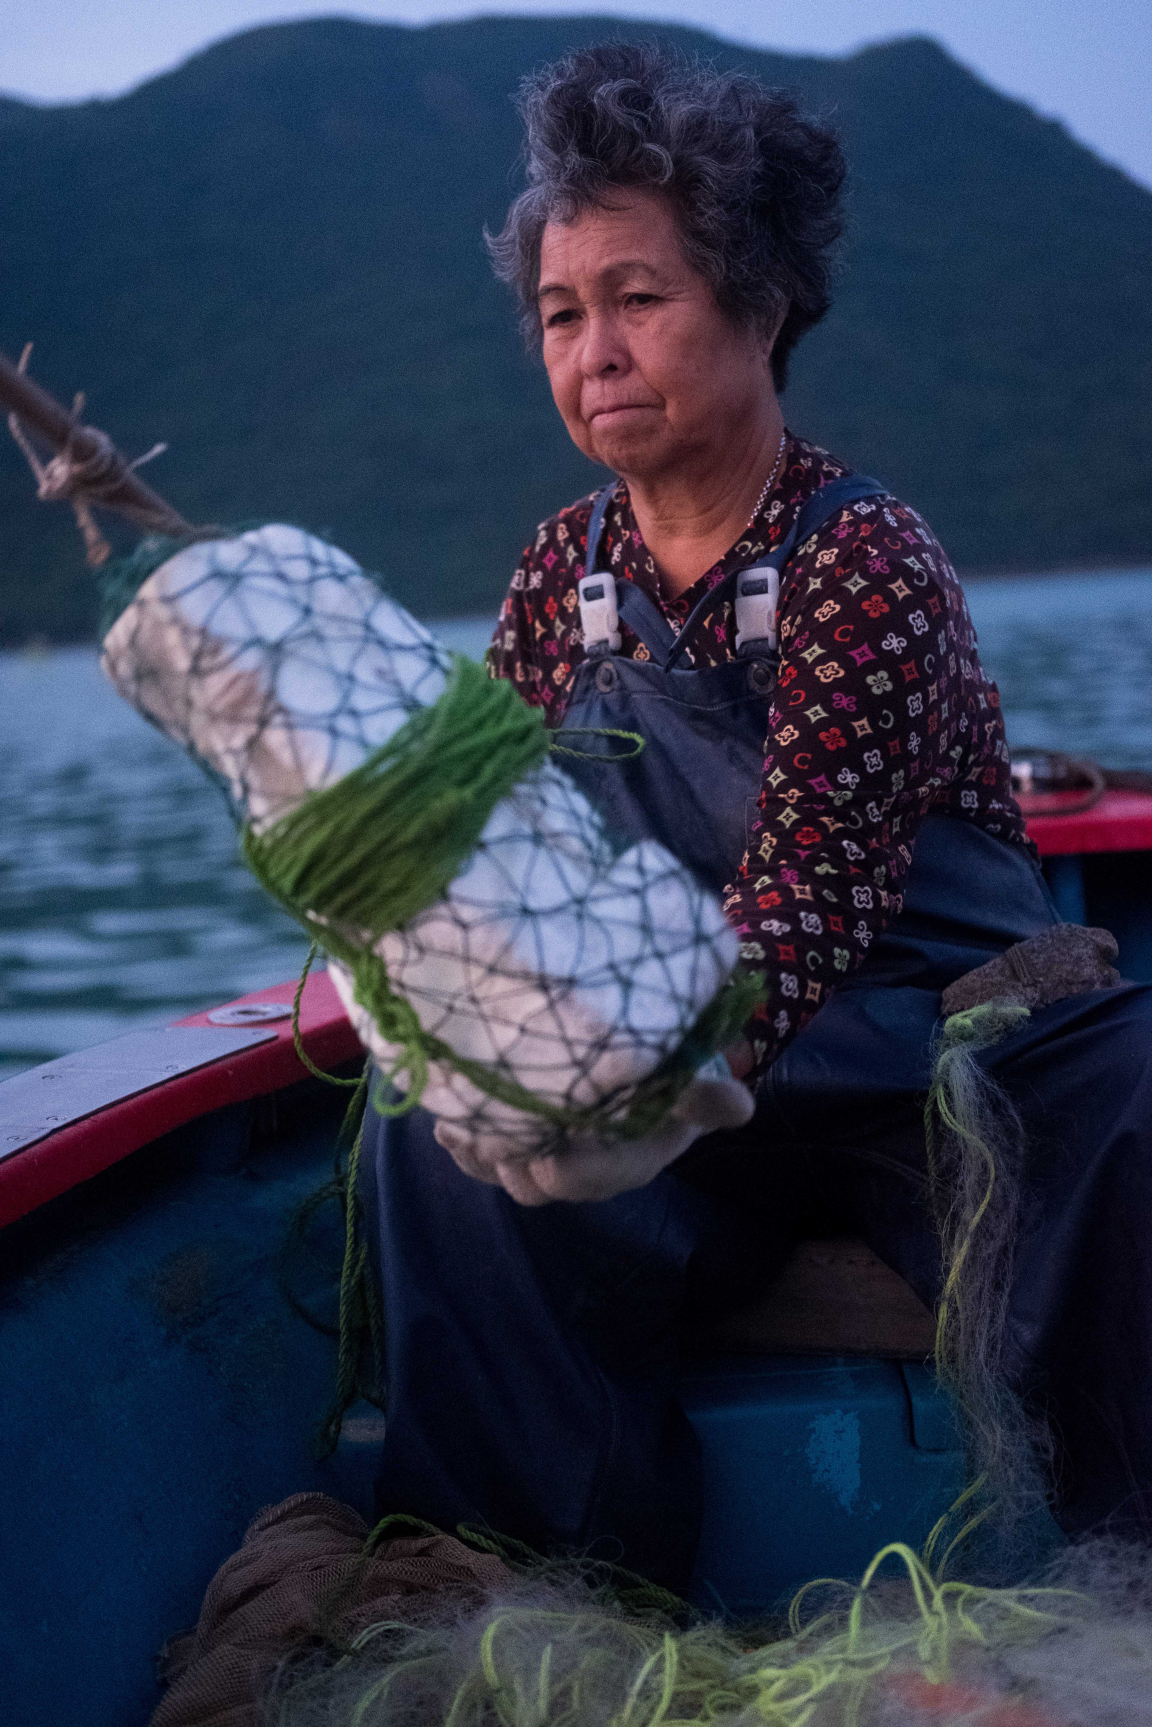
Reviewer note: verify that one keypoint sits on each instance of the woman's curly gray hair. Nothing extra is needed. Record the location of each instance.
(754, 182)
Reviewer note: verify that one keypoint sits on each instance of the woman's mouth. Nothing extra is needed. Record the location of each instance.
(619, 413)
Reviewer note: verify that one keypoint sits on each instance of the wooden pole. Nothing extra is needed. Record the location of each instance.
(43, 415)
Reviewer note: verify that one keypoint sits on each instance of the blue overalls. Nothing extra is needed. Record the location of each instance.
(532, 1355)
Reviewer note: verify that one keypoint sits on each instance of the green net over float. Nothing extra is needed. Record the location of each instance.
(503, 963)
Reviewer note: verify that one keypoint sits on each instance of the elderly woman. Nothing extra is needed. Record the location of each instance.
(823, 746)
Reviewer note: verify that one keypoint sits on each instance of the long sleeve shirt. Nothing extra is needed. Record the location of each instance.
(881, 712)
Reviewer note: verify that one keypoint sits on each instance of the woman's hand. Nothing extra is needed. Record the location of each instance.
(589, 1168)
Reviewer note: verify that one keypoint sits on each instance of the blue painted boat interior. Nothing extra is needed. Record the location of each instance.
(811, 1465)
(159, 1390)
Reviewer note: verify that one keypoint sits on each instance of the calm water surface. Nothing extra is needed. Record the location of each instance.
(122, 899)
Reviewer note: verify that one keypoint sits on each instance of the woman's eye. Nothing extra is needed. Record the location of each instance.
(556, 319)
(641, 299)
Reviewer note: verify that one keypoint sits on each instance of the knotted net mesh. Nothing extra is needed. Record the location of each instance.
(506, 964)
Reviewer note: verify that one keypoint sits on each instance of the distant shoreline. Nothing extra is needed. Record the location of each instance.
(1006, 572)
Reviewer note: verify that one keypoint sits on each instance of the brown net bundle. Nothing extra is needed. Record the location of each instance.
(505, 963)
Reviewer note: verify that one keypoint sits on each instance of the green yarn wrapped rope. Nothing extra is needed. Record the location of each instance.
(383, 844)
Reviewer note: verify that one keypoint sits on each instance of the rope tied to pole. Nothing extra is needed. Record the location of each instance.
(86, 469)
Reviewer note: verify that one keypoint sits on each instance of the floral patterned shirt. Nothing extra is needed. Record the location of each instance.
(881, 712)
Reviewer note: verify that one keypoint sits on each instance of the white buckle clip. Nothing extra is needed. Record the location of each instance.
(757, 595)
(599, 620)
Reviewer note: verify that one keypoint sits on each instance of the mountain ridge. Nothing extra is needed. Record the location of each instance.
(271, 257)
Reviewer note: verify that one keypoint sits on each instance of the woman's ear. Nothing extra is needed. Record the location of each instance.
(768, 340)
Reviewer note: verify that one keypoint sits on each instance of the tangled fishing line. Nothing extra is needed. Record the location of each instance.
(894, 1651)
(975, 1151)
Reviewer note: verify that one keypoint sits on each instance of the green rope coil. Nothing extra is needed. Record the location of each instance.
(383, 844)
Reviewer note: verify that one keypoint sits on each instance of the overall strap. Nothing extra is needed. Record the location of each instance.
(641, 614)
(600, 504)
(644, 617)
(823, 503)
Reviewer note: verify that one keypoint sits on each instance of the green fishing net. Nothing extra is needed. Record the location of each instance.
(504, 962)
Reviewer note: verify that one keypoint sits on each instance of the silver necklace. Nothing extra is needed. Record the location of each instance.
(770, 481)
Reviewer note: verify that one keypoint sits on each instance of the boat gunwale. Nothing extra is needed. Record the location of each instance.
(50, 1166)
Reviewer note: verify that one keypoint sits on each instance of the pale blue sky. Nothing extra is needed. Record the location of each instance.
(1087, 62)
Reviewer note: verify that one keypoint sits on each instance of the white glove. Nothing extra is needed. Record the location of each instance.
(591, 1168)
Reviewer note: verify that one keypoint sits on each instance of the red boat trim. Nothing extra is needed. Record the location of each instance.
(40, 1172)
(1120, 822)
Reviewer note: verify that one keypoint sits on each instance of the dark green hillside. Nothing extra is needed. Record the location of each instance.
(272, 258)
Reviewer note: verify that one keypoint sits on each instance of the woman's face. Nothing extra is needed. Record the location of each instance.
(649, 375)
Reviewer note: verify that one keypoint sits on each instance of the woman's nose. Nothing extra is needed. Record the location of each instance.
(603, 352)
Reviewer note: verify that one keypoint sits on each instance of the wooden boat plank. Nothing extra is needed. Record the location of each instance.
(834, 1297)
